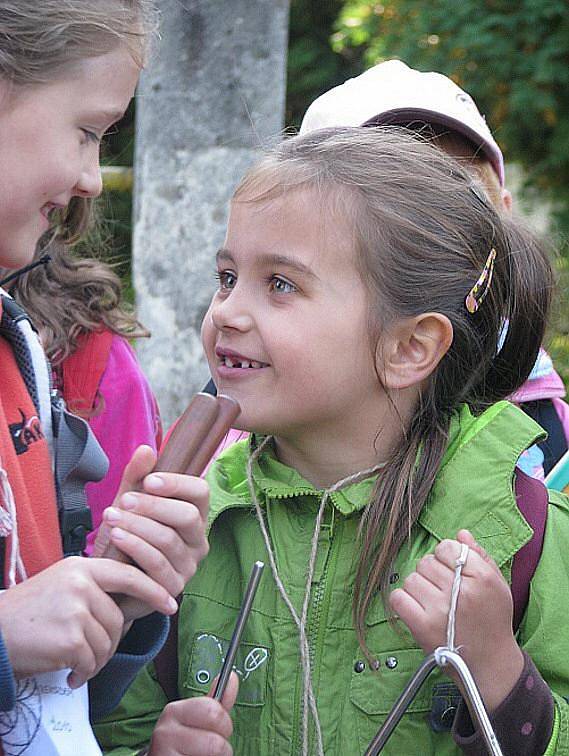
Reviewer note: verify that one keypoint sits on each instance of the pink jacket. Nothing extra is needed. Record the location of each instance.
(129, 419)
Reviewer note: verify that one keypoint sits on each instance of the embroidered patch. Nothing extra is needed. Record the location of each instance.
(207, 657)
(25, 432)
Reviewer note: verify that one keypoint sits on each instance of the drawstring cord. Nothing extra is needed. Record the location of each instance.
(451, 621)
(44, 260)
(309, 701)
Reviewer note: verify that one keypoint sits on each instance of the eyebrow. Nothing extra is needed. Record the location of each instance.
(272, 260)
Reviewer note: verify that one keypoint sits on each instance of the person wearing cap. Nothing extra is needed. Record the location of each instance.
(393, 94)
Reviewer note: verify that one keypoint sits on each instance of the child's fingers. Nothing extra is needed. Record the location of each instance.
(192, 726)
(448, 551)
(407, 608)
(152, 561)
(230, 693)
(141, 463)
(186, 488)
(435, 571)
(425, 593)
(465, 536)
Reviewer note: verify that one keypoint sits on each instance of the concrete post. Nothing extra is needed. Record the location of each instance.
(212, 94)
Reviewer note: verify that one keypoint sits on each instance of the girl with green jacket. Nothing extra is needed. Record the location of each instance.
(363, 287)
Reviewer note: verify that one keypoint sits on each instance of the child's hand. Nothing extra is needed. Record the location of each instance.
(64, 616)
(158, 521)
(483, 616)
(196, 726)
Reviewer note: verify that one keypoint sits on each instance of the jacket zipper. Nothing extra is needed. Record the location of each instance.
(320, 598)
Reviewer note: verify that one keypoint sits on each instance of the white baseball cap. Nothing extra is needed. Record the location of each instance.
(393, 93)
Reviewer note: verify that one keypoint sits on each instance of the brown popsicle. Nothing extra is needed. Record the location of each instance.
(191, 445)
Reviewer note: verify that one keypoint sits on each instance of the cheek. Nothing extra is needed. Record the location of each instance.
(208, 333)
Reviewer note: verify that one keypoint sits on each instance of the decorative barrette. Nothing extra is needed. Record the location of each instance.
(478, 293)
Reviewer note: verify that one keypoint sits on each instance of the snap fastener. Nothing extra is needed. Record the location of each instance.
(359, 666)
(393, 578)
(391, 662)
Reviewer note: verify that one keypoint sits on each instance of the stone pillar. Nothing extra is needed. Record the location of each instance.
(212, 94)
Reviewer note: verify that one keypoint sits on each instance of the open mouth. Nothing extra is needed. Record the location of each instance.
(242, 364)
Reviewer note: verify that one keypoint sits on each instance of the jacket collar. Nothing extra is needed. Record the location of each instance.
(475, 485)
(491, 442)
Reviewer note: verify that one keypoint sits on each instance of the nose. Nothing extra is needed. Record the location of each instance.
(90, 182)
(231, 312)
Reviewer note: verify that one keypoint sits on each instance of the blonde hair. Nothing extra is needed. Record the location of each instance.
(422, 231)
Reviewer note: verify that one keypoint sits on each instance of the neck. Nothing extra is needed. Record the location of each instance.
(325, 458)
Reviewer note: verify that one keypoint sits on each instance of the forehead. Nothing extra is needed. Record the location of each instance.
(107, 81)
(302, 221)
(101, 86)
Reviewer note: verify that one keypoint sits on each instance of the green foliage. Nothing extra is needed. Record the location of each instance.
(513, 58)
(313, 66)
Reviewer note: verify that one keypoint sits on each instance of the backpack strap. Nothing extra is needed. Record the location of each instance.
(532, 501)
(83, 369)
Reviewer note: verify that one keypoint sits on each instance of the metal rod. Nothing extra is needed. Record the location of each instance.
(443, 657)
(239, 626)
(473, 700)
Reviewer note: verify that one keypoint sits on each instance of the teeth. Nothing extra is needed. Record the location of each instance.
(243, 364)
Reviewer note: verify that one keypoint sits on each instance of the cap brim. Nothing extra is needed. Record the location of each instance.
(402, 117)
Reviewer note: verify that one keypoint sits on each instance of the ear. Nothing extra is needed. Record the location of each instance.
(507, 200)
(413, 348)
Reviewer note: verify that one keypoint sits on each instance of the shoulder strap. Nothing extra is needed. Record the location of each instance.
(532, 501)
(83, 369)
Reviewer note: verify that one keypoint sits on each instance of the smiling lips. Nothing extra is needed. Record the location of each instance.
(234, 360)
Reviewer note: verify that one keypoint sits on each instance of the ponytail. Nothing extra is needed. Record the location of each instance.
(527, 284)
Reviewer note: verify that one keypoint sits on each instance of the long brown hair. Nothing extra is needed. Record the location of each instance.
(71, 296)
(423, 230)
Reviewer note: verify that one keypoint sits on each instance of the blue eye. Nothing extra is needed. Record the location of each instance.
(281, 285)
(226, 278)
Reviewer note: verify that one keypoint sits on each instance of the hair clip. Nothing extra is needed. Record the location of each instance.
(473, 299)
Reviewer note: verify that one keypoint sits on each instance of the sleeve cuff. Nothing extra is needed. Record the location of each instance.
(523, 722)
(139, 646)
(7, 680)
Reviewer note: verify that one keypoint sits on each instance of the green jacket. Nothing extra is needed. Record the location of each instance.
(473, 490)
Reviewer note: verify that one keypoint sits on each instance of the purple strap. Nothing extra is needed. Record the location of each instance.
(532, 500)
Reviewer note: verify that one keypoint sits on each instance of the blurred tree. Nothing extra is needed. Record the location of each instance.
(313, 65)
(513, 58)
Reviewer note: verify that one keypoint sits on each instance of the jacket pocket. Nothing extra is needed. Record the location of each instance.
(374, 692)
(251, 665)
